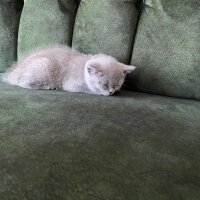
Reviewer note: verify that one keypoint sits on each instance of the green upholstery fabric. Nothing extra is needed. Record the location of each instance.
(57, 145)
(10, 11)
(46, 22)
(167, 49)
(106, 26)
(61, 145)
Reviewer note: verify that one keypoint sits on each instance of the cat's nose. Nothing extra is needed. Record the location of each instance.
(111, 92)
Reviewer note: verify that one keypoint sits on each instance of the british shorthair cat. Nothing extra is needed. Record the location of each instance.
(62, 68)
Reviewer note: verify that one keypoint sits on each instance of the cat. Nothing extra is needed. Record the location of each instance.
(63, 68)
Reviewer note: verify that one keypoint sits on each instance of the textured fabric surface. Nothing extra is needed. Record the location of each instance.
(167, 49)
(9, 22)
(106, 26)
(61, 145)
(46, 22)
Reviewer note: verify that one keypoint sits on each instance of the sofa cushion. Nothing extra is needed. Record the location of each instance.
(10, 11)
(106, 26)
(61, 145)
(45, 23)
(167, 49)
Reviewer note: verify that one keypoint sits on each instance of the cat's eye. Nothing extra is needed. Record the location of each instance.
(105, 87)
(116, 86)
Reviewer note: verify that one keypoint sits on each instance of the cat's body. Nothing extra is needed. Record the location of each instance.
(66, 69)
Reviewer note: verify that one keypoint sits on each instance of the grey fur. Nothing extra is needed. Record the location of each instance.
(66, 69)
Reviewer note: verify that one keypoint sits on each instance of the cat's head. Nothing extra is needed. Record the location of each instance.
(105, 75)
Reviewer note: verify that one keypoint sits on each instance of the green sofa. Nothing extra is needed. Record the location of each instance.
(140, 144)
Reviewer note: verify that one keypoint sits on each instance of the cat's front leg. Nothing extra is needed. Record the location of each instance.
(76, 87)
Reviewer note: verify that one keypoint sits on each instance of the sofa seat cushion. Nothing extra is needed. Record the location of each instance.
(167, 49)
(62, 145)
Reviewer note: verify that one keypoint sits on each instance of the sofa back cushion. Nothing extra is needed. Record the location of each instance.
(45, 23)
(106, 26)
(167, 49)
(10, 11)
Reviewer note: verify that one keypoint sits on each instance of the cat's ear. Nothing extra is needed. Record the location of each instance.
(94, 68)
(128, 69)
